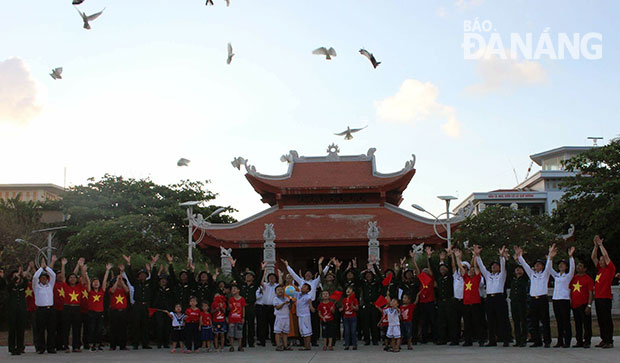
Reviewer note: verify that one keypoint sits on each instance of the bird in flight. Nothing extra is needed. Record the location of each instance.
(88, 18)
(370, 57)
(209, 2)
(230, 54)
(183, 162)
(56, 73)
(328, 53)
(77, 2)
(349, 131)
(227, 3)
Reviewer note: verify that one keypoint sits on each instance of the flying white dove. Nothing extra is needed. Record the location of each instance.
(349, 131)
(230, 54)
(77, 2)
(56, 73)
(183, 162)
(328, 53)
(87, 18)
(227, 3)
(370, 57)
(209, 2)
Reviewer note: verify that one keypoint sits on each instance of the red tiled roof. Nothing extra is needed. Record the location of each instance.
(316, 226)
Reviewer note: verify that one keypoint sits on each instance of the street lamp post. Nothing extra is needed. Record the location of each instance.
(190, 214)
(445, 223)
(45, 251)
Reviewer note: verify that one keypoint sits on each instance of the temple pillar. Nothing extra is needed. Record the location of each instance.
(225, 254)
(373, 243)
(269, 249)
(385, 260)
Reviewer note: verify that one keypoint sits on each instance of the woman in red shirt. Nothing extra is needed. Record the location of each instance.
(602, 293)
(350, 305)
(119, 296)
(72, 315)
(472, 304)
(96, 291)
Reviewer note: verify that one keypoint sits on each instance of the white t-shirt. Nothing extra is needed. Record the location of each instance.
(393, 316)
(284, 311)
(177, 320)
(303, 304)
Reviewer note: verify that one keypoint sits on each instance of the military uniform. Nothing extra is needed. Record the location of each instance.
(16, 314)
(183, 289)
(370, 292)
(164, 299)
(248, 292)
(519, 287)
(446, 317)
(142, 295)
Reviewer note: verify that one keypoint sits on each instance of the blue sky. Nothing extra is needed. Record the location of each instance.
(149, 84)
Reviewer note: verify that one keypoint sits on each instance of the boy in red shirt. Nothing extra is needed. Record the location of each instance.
(326, 311)
(602, 293)
(350, 305)
(406, 314)
(96, 291)
(206, 329)
(472, 304)
(219, 320)
(581, 295)
(236, 304)
(192, 326)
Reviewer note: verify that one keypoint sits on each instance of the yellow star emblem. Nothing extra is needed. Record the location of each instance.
(28, 292)
(598, 277)
(468, 285)
(577, 287)
(61, 292)
(74, 296)
(85, 294)
(96, 298)
(120, 299)
(424, 286)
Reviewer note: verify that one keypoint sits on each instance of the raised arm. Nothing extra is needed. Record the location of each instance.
(104, 285)
(429, 253)
(571, 263)
(502, 262)
(553, 251)
(526, 267)
(296, 277)
(604, 253)
(415, 264)
(595, 251)
(479, 262)
(456, 261)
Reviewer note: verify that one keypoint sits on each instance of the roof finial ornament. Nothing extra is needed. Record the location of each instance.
(238, 161)
(371, 152)
(290, 157)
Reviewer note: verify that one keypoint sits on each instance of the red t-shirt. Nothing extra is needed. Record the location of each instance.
(580, 288)
(95, 301)
(471, 289)
(118, 299)
(326, 310)
(192, 315)
(347, 304)
(406, 312)
(427, 288)
(84, 304)
(235, 315)
(73, 294)
(219, 309)
(30, 304)
(384, 318)
(59, 296)
(602, 284)
(205, 318)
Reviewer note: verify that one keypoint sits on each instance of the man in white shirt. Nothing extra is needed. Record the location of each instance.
(561, 299)
(458, 285)
(43, 286)
(264, 308)
(496, 306)
(539, 303)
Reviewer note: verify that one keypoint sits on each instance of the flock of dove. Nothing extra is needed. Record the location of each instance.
(329, 53)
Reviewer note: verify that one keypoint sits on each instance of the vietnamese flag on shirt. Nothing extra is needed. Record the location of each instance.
(381, 301)
(386, 281)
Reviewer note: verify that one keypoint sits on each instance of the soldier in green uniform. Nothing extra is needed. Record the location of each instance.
(370, 287)
(444, 296)
(16, 309)
(205, 287)
(142, 295)
(163, 299)
(247, 289)
(519, 287)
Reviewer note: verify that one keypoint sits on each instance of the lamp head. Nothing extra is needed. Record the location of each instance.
(190, 203)
(447, 197)
(418, 207)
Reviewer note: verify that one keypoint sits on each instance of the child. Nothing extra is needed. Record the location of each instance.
(206, 330)
(236, 304)
(178, 326)
(383, 325)
(281, 326)
(326, 314)
(192, 321)
(406, 313)
(304, 307)
(393, 331)
(350, 305)
(219, 320)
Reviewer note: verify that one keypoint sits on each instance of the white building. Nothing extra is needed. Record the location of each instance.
(540, 192)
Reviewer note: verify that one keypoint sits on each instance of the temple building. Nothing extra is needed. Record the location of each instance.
(333, 205)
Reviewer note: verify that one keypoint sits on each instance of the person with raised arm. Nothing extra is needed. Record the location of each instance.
(427, 298)
(96, 292)
(472, 303)
(539, 302)
(561, 299)
(264, 306)
(15, 286)
(582, 295)
(304, 307)
(119, 302)
(142, 296)
(496, 306)
(43, 287)
(602, 292)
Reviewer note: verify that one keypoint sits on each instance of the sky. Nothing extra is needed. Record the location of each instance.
(149, 84)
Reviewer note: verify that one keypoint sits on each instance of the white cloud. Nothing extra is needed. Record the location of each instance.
(441, 11)
(416, 101)
(503, 72)
(18, 92)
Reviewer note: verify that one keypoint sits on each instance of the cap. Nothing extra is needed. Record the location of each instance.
(466, 264)
(250, 273)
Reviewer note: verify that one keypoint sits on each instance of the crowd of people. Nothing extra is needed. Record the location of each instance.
(449, 302)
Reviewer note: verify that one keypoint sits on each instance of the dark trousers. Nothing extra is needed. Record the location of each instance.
(458, 318)
(350, 331)
(497, 318)
(32, 321)
(60, 331)
(192, 336)
(561, 309)
(17, 324)
(473, 317)
(603, 315)
(264, 322)
(95, 328)
(427, 322)
(371, 317)
(446, 321)
(583, 325)
(249, 325)
(519, 320)
(46, 323)
(86, 330)
(539, 308)
(140, 324)
(72, 322)
(415, 326)
(118, 328)
(315, 321)
(162, 328)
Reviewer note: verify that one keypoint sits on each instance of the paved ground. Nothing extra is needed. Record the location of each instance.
(420, 353)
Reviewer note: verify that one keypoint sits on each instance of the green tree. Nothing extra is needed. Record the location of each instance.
(592, 199)
(17, 220)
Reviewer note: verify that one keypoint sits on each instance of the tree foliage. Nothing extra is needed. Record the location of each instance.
(17, 220)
